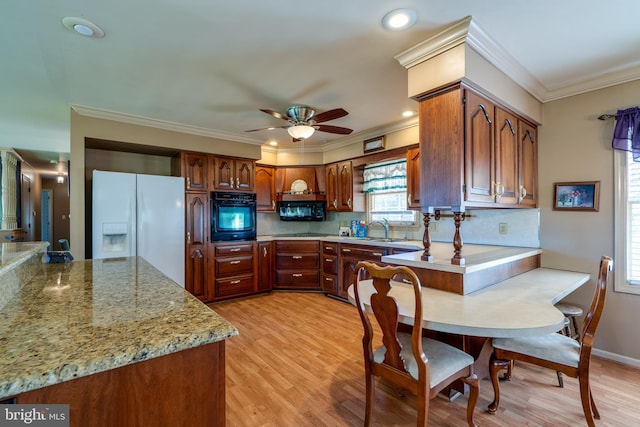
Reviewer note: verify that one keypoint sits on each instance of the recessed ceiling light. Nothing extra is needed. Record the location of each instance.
(82, 27)
(273, 143)
(399, 19)
(408, 113)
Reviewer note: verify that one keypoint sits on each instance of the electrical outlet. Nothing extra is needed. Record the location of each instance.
(502, 228)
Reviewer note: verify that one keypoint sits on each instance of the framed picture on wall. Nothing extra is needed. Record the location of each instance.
(374, 144)
(576, 196)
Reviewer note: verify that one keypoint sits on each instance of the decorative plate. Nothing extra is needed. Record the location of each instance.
(298, 186)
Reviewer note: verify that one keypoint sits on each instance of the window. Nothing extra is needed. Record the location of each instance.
(386, 187)
(627, 223)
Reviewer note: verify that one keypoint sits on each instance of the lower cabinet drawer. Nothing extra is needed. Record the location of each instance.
(297, 279)
(330, 283)
(234, 286)
(290, 261)
(234, 266)
(330, 264)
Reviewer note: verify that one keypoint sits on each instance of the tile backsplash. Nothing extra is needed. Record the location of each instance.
(505, 227)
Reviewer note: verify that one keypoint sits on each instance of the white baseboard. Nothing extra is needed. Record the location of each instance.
(617, 358)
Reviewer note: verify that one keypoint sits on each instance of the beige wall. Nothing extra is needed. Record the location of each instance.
(575, 146)
(60, 210)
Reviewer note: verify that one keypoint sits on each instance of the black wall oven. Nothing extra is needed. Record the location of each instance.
(233, 216)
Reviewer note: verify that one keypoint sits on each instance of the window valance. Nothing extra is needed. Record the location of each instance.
(386, 176)
(626, 135)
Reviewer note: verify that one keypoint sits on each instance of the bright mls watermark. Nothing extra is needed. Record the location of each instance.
(34, 415)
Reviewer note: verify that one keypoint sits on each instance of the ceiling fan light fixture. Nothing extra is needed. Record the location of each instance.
(301, 131)
(399, 19)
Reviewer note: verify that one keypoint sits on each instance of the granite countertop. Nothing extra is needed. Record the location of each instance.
(477, 257)
(77, 319)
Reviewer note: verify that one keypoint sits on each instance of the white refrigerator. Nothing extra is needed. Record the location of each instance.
(143, 215)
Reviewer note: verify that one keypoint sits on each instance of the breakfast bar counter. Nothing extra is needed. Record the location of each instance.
(107, 334)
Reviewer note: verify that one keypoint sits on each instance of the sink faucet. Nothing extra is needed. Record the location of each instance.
(384, 224)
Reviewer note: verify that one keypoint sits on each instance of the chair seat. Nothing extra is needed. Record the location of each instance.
(569, 309)
(444, 360)
(552, 347)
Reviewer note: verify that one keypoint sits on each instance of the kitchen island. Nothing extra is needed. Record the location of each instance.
(117, 340)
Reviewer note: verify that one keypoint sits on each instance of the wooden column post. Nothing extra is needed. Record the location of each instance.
(426, 238)
(457, 259)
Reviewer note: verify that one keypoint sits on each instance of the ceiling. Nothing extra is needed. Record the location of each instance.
(210, 65)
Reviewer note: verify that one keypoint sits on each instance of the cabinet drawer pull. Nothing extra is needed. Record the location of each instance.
(296, 257)
(328, 260)
(297, 275)
(273, 205)
(328, 248)
(335, 203)
(234, 250)
(234, 262)
(328, 279)
(377, 253)
(188, 182)
(349, 202)
(235, 282)
(264, 251)
(188, 237)
(409, 199)
(346, 250)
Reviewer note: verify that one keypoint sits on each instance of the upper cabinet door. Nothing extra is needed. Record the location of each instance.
(345, 187)
(528, 165)
(332, 187)
(222, 175)
(413, 178)
(244, 175)
(479, 174)
(194, 170)
(506, 158)
(265, 189)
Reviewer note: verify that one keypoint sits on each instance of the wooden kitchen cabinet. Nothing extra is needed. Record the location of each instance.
(232, 174)
(413, 178)
(194, 170)
(233, 269)
(349, 256)
(297, 264)
(471, 152)
(265, 266)
(528, 164)
(330, 267)
(344, 192)
(197, 232)
(265, 189)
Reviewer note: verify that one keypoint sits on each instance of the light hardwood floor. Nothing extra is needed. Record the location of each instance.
(298, 362)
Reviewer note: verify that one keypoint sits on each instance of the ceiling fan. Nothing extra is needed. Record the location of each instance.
(303, 121)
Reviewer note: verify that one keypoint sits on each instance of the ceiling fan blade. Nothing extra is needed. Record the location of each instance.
(336, 113)
(275, 114)
(333, 129)
(270, 128)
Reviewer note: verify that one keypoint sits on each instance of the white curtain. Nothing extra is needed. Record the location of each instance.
(385, 177)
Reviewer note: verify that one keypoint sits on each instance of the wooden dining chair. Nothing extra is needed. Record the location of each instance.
(556, 351)
(421, 365)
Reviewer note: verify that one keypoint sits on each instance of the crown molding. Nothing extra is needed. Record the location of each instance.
(487, 47)
(600, 82)
(446, 39)
(162, 124)
(467, 30)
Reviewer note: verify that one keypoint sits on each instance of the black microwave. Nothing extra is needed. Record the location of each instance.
(302, 210)
(233, 216)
